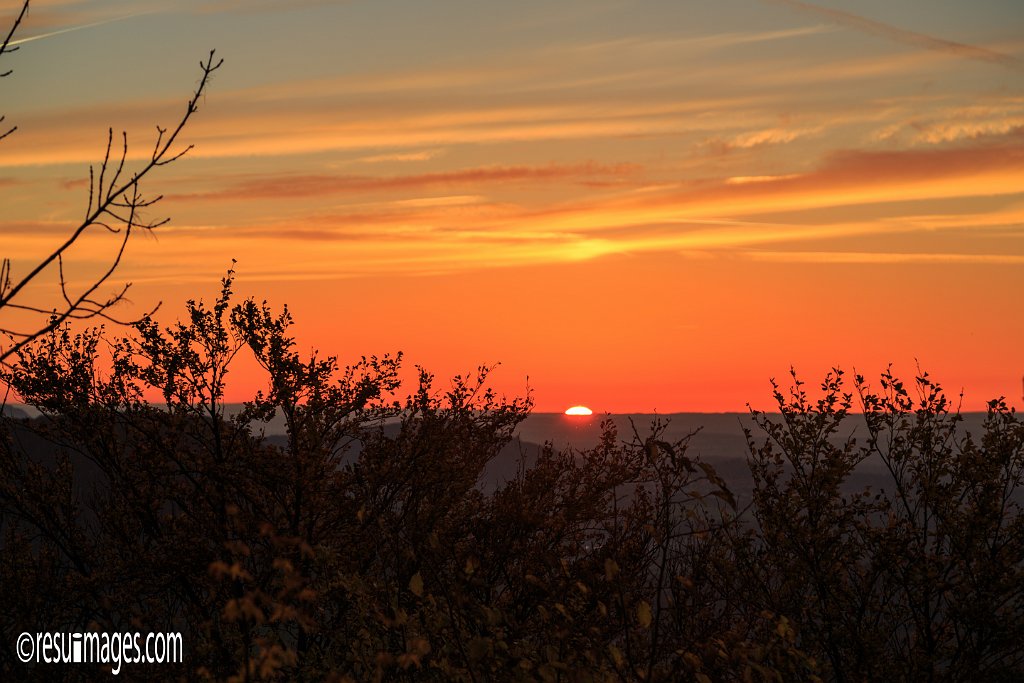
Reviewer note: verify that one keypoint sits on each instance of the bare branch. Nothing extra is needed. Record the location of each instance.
(114, 205)
(9, 130)
(6, 47)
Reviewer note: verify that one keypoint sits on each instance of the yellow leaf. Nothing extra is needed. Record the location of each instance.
(219, 569)
(416, 585)
(420, 646)
(643, 614)
(479, 648)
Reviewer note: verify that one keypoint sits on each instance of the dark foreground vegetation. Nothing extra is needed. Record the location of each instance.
(363, 551)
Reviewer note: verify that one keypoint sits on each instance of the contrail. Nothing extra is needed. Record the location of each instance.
(71, 29)
(908, 37)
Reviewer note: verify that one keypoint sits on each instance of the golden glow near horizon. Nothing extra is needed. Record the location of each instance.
(738, 187)
(579, 410)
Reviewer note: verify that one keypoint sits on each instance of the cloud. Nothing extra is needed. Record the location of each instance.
(423, 155)
(674, 222)
(235, 6)
(450, 200)
(993, 155)
(310, 123)
(868, 257)
(72, 184)
(408, 115)
(993, 165)
(295, 186)
(844, 179)
(760, 138)
(939, 123)
(71, 29)
(747, 179)
(949, 131)
(906, 37)
(25, 228)
(655, 43)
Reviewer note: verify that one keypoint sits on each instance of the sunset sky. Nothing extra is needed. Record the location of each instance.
(638, 205)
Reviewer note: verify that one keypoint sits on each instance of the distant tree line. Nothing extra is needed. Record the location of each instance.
(361, 547)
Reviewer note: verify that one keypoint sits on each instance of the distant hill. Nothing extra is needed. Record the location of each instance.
(14, 412)
(719, 440)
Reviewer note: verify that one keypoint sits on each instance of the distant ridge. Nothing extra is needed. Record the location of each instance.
(14, 412)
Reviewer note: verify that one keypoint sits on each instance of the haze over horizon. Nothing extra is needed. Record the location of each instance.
(640, 207)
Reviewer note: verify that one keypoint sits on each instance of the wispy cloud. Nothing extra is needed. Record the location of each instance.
(422, 155)
(905, 36)
(948, 132)
(275, 187)
(235, 6)
(456, 233)
(760, 138)
(23, 229)
(287, 127)
(867, 257)
(72, 29)
(747, 179)
(329, 160)
(662, 44)
(844, 178)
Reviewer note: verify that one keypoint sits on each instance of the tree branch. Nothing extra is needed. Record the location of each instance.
(114, 204)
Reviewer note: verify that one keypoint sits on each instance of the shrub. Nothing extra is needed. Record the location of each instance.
(361, 545)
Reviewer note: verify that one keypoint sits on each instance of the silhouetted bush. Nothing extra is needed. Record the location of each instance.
(921, 580)
(361, 546)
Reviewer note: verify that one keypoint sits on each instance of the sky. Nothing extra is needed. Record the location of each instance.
(634, 206)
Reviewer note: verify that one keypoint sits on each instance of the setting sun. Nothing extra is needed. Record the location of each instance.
(579, 410)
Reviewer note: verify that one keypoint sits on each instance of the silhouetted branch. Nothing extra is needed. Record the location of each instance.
(115, 205)
(5, 48)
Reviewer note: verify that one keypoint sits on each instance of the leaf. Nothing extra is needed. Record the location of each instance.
(479, 648)
(416, 585)
(643, 614)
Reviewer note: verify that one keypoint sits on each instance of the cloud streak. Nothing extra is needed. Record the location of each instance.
(72, 29)
(900, 35)
(295, 186)
(876, 258)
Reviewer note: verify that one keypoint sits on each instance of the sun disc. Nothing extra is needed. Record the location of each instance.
(579, 410)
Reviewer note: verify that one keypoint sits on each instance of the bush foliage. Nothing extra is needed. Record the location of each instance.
(361, 546)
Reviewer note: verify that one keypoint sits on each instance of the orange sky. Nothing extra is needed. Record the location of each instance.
(638, 207)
